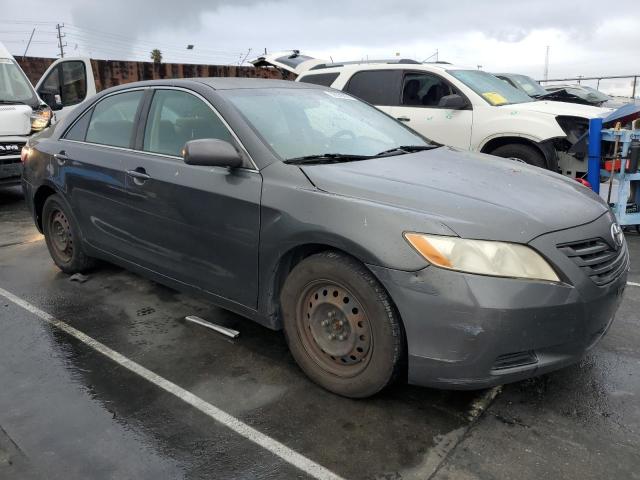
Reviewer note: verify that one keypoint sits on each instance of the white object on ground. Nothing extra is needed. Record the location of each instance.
(223, 330)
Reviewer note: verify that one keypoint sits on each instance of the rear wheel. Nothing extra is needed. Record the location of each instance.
(526, 153)
(63, 237)
(341, 326)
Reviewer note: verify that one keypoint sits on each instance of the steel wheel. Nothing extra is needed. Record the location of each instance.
(61, 236)
(334, 328)
(341, 326)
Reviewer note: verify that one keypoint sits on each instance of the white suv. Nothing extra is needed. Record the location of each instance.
(460, 107)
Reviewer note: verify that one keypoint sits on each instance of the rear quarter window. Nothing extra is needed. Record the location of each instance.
(324, 79)
(78, 131)
(378, 87)
(113, 119)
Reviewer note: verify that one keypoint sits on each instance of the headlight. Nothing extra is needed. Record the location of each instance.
(573, 127)
(500, 259)
(40, 118)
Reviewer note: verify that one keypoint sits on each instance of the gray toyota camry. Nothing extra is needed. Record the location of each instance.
(380, 254)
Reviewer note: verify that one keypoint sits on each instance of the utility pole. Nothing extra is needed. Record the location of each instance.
(28, 43)
(245, 57)
(60, 37)
(546, 64)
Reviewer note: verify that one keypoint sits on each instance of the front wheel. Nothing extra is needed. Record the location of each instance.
(341, 326)
(525, 153)
(63, 237)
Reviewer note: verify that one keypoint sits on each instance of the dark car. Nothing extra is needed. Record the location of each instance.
(307, 210)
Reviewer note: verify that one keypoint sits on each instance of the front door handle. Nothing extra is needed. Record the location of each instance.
(404, 119)
(139, 175)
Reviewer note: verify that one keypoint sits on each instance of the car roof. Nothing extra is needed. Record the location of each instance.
(230, 83)
(382, 65)
(216, 83)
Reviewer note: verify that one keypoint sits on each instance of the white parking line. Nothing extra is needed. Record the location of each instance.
(285, 453)
(633, 284)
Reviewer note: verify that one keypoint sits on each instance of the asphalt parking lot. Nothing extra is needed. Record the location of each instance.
(88, 370)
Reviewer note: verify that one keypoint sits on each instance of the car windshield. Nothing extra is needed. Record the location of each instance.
(300, 122)
(597, 94)
(493, 90)
(528, 84)
(14, 85)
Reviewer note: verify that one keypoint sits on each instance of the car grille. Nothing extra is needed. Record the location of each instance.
(10, 148)
(597, 259)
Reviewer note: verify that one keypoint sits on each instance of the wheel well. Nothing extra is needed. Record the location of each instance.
(287, 263)
(40, 197)
(497, 142)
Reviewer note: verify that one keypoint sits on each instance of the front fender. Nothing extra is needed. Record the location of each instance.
(508, 121)
(294, 214)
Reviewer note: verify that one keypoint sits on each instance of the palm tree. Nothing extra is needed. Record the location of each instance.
(156, 56)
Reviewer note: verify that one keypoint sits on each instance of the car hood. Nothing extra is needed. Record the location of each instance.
(560, 108)
(15, 119)
(475, 195)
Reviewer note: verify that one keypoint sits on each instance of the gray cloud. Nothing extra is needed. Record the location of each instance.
(370, 21)
(222, 30)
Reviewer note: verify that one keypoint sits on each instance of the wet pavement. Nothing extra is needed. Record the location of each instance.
(67, 411)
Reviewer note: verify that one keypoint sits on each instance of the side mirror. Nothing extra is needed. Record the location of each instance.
(211, 153)
(454, 102)
(52, 99)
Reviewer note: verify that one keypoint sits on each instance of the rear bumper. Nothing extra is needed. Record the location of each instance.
(28, 191)
(470, 331)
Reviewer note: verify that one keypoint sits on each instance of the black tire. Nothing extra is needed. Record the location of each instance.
(331, 294)
(63, 237)
(526, 153)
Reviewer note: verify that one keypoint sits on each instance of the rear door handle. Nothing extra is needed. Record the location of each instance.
(61, 157)
(139, 175)
(404, 119)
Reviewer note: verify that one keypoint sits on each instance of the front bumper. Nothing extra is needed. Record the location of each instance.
(469, 331)
(10, 170)
(10, 164)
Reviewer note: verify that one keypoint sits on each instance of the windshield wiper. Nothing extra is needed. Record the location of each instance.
(326, 158)
(402, 149)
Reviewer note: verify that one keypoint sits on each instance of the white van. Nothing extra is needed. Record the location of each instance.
(456, 106)
(22, 113)
(25, 111)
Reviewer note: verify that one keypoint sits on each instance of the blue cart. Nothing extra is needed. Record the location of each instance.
(624, 208)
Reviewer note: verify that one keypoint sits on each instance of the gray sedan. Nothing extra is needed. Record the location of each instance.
(380, 254)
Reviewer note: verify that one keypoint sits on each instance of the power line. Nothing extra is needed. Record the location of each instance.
(26, 22)
(109, 44)
(127, 46)
(123, 38)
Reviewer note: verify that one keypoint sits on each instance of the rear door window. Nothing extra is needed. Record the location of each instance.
(378, 87)
(113, 119)
(324, 79)
(176, 117)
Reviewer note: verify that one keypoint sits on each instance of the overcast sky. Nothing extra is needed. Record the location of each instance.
(585, 38)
